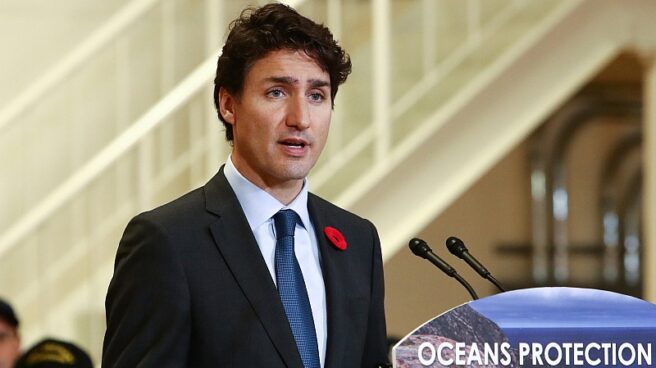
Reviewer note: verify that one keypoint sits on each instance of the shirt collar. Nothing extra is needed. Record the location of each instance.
(258, 205)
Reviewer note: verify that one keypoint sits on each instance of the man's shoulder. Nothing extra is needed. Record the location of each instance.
(333, 211)
(193, 208)
(182, 211)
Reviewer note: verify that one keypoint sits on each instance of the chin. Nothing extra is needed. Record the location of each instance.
(295, 172)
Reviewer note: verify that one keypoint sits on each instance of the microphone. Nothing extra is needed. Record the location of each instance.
(458, 249)
(421, 249)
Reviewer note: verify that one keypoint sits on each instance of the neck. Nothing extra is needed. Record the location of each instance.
(286, 194)
(285, 191)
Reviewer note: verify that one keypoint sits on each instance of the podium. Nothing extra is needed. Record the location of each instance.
(540, 327)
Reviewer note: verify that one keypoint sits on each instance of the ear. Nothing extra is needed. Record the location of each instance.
(227, 106)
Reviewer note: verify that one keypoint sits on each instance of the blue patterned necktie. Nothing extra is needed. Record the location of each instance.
(291, 288)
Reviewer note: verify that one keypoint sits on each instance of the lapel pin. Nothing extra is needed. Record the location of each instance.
(335, 237)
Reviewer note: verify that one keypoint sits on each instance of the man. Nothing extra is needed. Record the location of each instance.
(251, 270)
(53, 353)
(9, 338)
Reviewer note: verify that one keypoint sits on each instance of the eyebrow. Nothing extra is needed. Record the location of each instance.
(314, 83)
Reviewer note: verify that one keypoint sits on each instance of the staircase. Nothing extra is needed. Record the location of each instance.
(456, 143)
(433, 102)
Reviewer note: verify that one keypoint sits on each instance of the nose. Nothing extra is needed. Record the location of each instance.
(298, 113)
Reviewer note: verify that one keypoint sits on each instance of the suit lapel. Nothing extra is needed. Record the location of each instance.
(335, 285)
(235, 241)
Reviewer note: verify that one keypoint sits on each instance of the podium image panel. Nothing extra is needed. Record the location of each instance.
(541, 327)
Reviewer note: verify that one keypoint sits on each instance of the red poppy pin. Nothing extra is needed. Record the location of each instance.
(335, 237)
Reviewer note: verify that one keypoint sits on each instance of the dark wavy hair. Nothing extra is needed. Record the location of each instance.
(273, 27)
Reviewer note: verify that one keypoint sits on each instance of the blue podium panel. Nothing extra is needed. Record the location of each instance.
(541, 327)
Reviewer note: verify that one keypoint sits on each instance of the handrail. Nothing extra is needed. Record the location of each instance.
(182, 92)
(120, 145)
(166, 106)
(438, 72)
(414, 94)
(80, 55)
(195, 81)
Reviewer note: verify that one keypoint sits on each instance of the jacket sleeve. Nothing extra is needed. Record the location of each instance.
(375, 350)
(147, 304)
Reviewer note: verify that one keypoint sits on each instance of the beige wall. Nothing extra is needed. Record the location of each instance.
(494, 210)
(497, 210)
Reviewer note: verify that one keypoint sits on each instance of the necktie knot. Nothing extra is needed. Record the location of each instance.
(285, 222)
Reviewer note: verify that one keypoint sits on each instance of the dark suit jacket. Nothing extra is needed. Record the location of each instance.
(191, 289)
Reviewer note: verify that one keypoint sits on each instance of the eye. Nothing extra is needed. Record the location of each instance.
(316, 97)
(276, 93)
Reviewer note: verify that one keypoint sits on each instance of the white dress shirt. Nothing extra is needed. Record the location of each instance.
(259, 208)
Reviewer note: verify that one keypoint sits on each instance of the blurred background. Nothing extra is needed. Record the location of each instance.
(526, 128)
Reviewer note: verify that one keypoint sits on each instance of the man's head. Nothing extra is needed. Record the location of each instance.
(274, 91)
(274, 27)
(53, 353)
(9, 339)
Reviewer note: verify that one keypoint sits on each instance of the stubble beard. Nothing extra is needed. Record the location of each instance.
(296, 170)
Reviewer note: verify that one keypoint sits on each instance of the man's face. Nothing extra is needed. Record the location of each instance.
(9, 345)
(281, 120)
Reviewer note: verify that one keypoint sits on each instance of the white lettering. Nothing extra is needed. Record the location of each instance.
(440, 355)
(623, 348)
(420, 353)
(461, 351)
(523, 352)
(606, 346)
(568, 347)
(536, 350)
(547, 354)
(614, 351)
(646, 354)
(491, 354)
(578, 354)
(474, 355)
(592, 362)
(505, 351)
(573, 354)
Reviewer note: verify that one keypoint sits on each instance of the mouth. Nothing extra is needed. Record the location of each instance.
(294, 143)
(294, 147)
